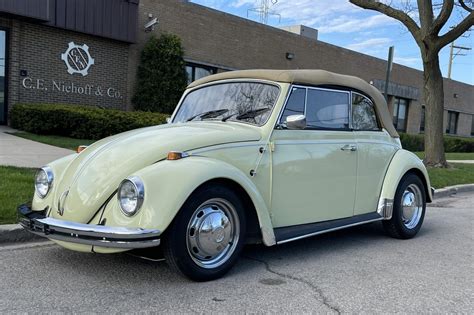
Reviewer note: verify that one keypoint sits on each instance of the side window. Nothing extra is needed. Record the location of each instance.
(363, 113)
(327, 109)
(295, 103)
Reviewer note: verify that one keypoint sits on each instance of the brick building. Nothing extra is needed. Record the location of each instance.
(43, 58)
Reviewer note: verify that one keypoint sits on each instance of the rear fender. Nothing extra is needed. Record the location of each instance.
(402, 162)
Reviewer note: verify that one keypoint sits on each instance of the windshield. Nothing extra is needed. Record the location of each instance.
(230, 101)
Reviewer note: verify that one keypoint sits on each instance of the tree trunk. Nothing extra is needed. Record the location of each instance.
(434, 104)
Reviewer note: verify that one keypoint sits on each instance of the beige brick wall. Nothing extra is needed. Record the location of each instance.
(225, 40)
(37, 50)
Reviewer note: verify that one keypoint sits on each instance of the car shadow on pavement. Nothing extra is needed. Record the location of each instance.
(134, 270)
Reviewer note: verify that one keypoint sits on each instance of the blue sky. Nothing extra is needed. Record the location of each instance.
(343, 24)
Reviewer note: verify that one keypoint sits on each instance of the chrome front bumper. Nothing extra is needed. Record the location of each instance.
(88, 234)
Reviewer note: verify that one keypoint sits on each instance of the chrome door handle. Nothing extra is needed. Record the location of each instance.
(349, 147)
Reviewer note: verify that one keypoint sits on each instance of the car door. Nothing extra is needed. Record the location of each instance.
(375, 151)
(314, 169)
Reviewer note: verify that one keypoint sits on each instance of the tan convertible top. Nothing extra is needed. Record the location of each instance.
(312, 77)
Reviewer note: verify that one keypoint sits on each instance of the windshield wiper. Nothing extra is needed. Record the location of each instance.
(209, 114)
(248, 114)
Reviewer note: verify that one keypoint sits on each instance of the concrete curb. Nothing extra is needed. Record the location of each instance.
(452, 190)
(14, 233)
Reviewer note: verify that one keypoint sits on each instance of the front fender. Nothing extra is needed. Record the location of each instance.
(402, 162)
(58, 167)
(169, 183)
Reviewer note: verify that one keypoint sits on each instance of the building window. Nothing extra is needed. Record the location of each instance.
(422, 119)
(400, 112)
(196, 71)
(452, 127)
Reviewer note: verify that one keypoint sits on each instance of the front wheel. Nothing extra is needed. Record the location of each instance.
(207, 235)
(409, 208)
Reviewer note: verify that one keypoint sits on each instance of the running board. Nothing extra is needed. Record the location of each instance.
(296, 232)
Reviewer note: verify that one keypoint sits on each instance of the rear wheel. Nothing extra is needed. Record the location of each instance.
(409, 208)
(207, 235)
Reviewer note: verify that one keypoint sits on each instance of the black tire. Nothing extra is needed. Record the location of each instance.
(399, 226)
(176, 248)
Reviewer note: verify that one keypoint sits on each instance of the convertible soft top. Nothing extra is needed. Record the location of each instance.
(312, 77)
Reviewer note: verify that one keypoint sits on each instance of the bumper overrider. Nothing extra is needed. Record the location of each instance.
(37, 223)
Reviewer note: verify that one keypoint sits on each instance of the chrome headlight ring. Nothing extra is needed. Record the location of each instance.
(130, 195)
(44, 181)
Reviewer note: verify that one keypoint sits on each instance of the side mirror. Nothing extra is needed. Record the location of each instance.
(296, 122)
(168, 120)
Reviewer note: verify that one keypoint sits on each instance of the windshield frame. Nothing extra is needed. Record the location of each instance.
(246, 80)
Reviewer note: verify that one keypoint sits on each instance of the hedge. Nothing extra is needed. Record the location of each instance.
(451, 143)
(82, 122)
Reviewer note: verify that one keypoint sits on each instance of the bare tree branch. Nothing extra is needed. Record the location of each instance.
(393, 13)
(465, 6)
(443, 16)
(457, 31)
(425, 10)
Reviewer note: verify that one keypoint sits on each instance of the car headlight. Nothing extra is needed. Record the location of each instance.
(130, 195)
(44, 181)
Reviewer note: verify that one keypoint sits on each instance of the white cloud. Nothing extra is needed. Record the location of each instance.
(370, 45)
(408, 61)
(241, 3)
(351, 24)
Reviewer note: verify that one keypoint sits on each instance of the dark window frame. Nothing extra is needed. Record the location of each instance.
(211, 69)
(7, 72)
(397, 100)
(320, 88)
(448, 126)
(336, 88)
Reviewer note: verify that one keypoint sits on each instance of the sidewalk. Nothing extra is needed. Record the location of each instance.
(461, 161)
(16, 151)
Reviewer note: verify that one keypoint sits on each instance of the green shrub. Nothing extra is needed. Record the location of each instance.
(82, 122)
(451, 144)
(161, 75)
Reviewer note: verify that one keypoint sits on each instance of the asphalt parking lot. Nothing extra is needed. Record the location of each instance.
(353, 271)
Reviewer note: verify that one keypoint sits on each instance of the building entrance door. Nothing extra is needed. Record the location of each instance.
(3, 77)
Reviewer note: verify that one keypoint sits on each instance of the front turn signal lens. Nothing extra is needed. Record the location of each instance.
(81, 148)
(175, 155)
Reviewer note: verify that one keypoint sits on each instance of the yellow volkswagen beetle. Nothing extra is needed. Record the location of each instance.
(259, 155)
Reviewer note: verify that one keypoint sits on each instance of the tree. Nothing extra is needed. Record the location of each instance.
(429, 40)
(161, 75)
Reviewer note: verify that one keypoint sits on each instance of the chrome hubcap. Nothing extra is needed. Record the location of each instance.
(213, 233)
(412, 206)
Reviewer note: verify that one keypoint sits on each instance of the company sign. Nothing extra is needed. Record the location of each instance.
(78, 60)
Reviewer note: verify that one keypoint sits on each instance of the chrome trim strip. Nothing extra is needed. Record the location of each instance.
(88, 234)
(328, 230)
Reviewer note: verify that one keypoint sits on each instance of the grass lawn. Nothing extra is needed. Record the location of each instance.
(16, 187)
(458, 174)
(58, 141)
(452, 156)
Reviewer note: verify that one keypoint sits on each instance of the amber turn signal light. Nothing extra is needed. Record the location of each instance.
(81, 148)
(175, 155)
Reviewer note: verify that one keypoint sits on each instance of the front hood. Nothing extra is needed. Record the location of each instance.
(94, 175)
